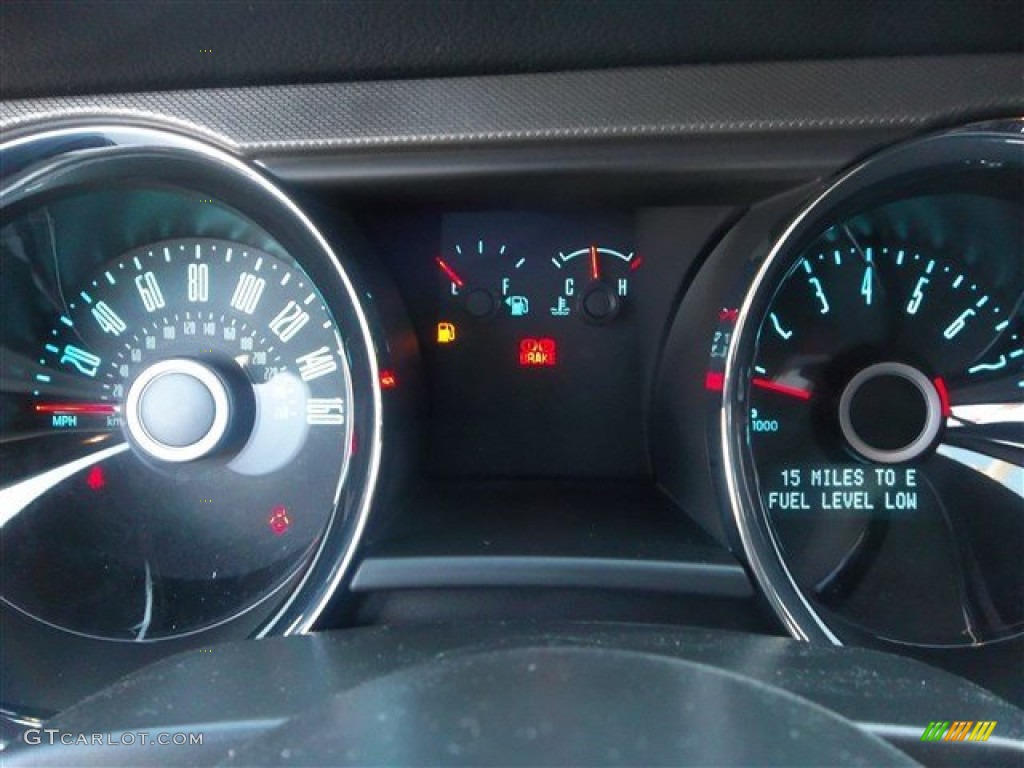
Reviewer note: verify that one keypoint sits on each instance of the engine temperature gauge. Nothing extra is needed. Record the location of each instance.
(593, 282)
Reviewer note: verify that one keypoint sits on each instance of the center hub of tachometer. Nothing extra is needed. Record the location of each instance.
(890, 412)
(178, 410)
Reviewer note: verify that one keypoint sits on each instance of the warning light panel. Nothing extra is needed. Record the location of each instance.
(538, 353)
(445, 333)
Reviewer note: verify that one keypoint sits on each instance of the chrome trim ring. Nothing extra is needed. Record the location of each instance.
(142, 435)
(933, 413)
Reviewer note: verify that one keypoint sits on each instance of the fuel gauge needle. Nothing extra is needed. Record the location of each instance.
(451, 273)
(595, 266)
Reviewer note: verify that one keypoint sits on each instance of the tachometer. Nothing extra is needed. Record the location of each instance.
(875, 398)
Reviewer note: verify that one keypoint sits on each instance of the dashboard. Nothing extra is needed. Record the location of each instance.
(715, 369)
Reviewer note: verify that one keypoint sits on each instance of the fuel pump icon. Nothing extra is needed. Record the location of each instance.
(445, 333)
(518, 306)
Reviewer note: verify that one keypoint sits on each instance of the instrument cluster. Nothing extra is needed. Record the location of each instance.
(199, 388)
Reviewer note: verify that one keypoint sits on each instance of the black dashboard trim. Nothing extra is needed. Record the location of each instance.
(724, 99)
(381, 573)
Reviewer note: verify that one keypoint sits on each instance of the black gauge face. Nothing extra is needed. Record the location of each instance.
(884, 424)
(175, 434)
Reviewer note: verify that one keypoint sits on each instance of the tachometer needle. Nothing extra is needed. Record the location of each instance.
(452, 274)
(595, 265)
(782, 389)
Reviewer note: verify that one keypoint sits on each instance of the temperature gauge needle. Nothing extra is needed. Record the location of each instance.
(452, 274)
(595, 267)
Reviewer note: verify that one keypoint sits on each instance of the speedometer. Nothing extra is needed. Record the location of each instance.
(874, 391)
(192, 401)
(190, 405)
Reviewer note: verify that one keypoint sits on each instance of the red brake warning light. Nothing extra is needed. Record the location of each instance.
(538, 352)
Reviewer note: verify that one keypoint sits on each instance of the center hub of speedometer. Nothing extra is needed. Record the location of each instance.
(178, 410)
(890, 412)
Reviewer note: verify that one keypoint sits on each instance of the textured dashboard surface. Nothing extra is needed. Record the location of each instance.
(50, 47)
(726, 99)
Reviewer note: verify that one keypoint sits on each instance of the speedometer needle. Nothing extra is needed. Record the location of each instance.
(782, 389)
(89, 409)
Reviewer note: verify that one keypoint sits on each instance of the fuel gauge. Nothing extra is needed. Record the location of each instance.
(483, 278)
(593, 282)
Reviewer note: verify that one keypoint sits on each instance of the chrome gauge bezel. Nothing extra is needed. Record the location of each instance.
(59, 160)
(998, 145)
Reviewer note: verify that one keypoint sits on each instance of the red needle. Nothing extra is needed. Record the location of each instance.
(452, 274)
(940, 387)
(595, 269)
(96, 409)
(782, 389)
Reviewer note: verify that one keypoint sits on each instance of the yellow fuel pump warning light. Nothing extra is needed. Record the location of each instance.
(445, 333)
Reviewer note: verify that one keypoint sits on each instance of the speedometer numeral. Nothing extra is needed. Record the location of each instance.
(325, 411)
(289, 321)
(108, 319)
(149, 290)
(85, 362)
(317, 363)
(247, 293)
(198, 282)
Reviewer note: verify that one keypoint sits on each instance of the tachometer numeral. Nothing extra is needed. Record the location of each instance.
(328, 411)
(867, 285)
(198, 282)
(777, 325)
(917, 296)
(819, 293)
(108, 319)
(289, 321)
(997, 365)
(149, 290)
(959, 324)
(317, 363)
(85, 362)
(247, 293)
